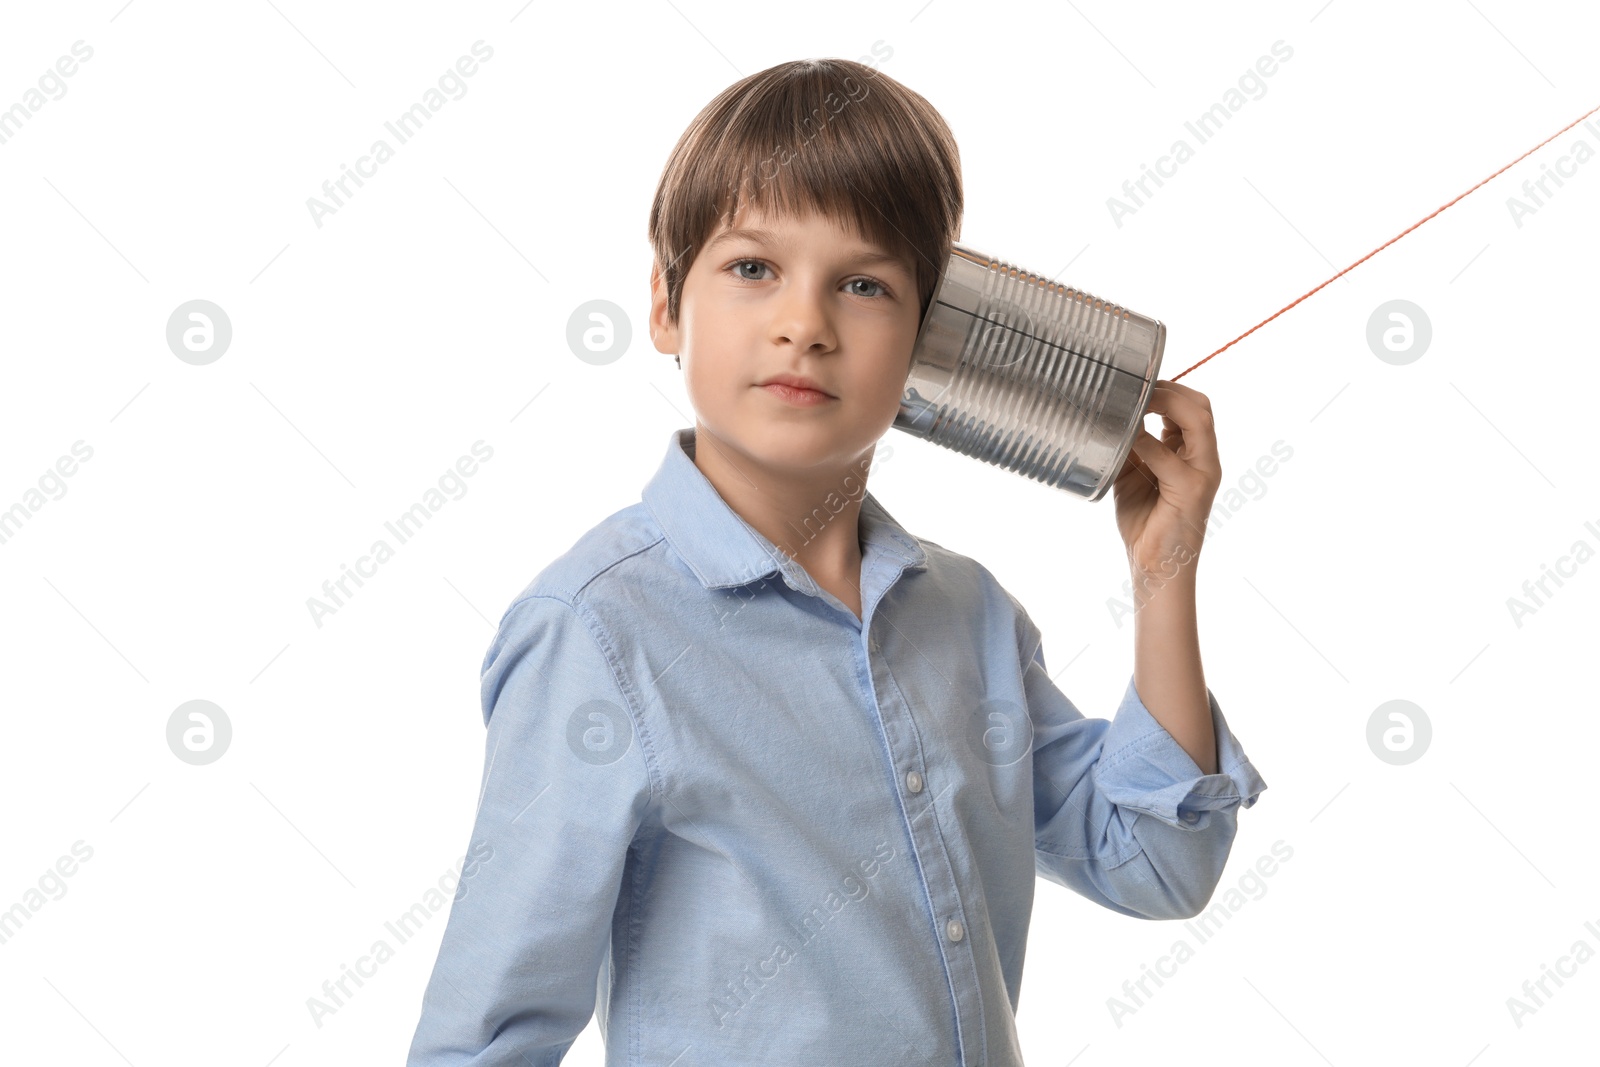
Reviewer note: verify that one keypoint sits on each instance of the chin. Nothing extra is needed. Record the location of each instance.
(792, 442)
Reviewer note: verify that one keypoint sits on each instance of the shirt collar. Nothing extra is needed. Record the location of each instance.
(723, 550)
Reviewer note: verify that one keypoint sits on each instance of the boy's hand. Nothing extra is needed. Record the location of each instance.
(1164, 490)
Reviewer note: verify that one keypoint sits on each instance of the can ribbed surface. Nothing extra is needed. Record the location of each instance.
(1038, 378)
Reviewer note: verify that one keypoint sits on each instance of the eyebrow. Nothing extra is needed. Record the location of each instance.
(859, 254)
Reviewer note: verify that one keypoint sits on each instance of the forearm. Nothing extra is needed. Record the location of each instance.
(1167, 671)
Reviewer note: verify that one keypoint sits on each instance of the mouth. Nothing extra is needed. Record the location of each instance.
(795, 389)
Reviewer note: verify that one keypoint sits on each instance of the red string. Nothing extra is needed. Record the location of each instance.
(1396, 237)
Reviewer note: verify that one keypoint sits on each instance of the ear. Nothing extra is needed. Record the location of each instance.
(663, 331)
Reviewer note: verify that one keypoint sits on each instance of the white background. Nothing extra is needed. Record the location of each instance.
(430, 312)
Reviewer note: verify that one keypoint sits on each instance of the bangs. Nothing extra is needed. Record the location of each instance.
(828, 136)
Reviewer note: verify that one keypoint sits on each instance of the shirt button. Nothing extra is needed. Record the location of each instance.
(1191, 816)
(914, 781)
(953, 928)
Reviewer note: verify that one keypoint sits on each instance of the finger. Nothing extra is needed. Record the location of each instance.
(1185, 425)
(1186, 390)
(1190, 412)
(1168, 467)
(1185, 405)
(1135, 467)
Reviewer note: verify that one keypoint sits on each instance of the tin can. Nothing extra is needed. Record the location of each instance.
(1038, 378)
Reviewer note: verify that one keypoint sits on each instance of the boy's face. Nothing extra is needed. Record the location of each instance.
(807, 297)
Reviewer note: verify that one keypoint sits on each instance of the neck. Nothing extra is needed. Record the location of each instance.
(813, 515)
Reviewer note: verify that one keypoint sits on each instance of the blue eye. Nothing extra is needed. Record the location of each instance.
(736, 269)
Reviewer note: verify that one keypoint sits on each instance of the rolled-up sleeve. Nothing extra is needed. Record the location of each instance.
(565, 787)
(1122, 814)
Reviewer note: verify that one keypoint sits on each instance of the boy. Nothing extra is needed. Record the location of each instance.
(769, 779)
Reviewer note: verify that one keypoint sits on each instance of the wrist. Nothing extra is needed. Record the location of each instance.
(1170, 590)
(1177, 566)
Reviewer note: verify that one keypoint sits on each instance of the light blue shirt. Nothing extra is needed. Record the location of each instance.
(744, 827)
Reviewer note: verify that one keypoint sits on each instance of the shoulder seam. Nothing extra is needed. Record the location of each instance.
(616, 562)
(1027, 631)
(630, 696)
(533, 590)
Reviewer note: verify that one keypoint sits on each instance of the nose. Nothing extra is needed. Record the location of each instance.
(802, 318)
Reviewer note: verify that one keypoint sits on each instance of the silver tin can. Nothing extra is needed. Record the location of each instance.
(1039, 378)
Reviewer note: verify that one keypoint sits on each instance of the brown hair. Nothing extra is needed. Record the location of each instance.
(813, 134)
